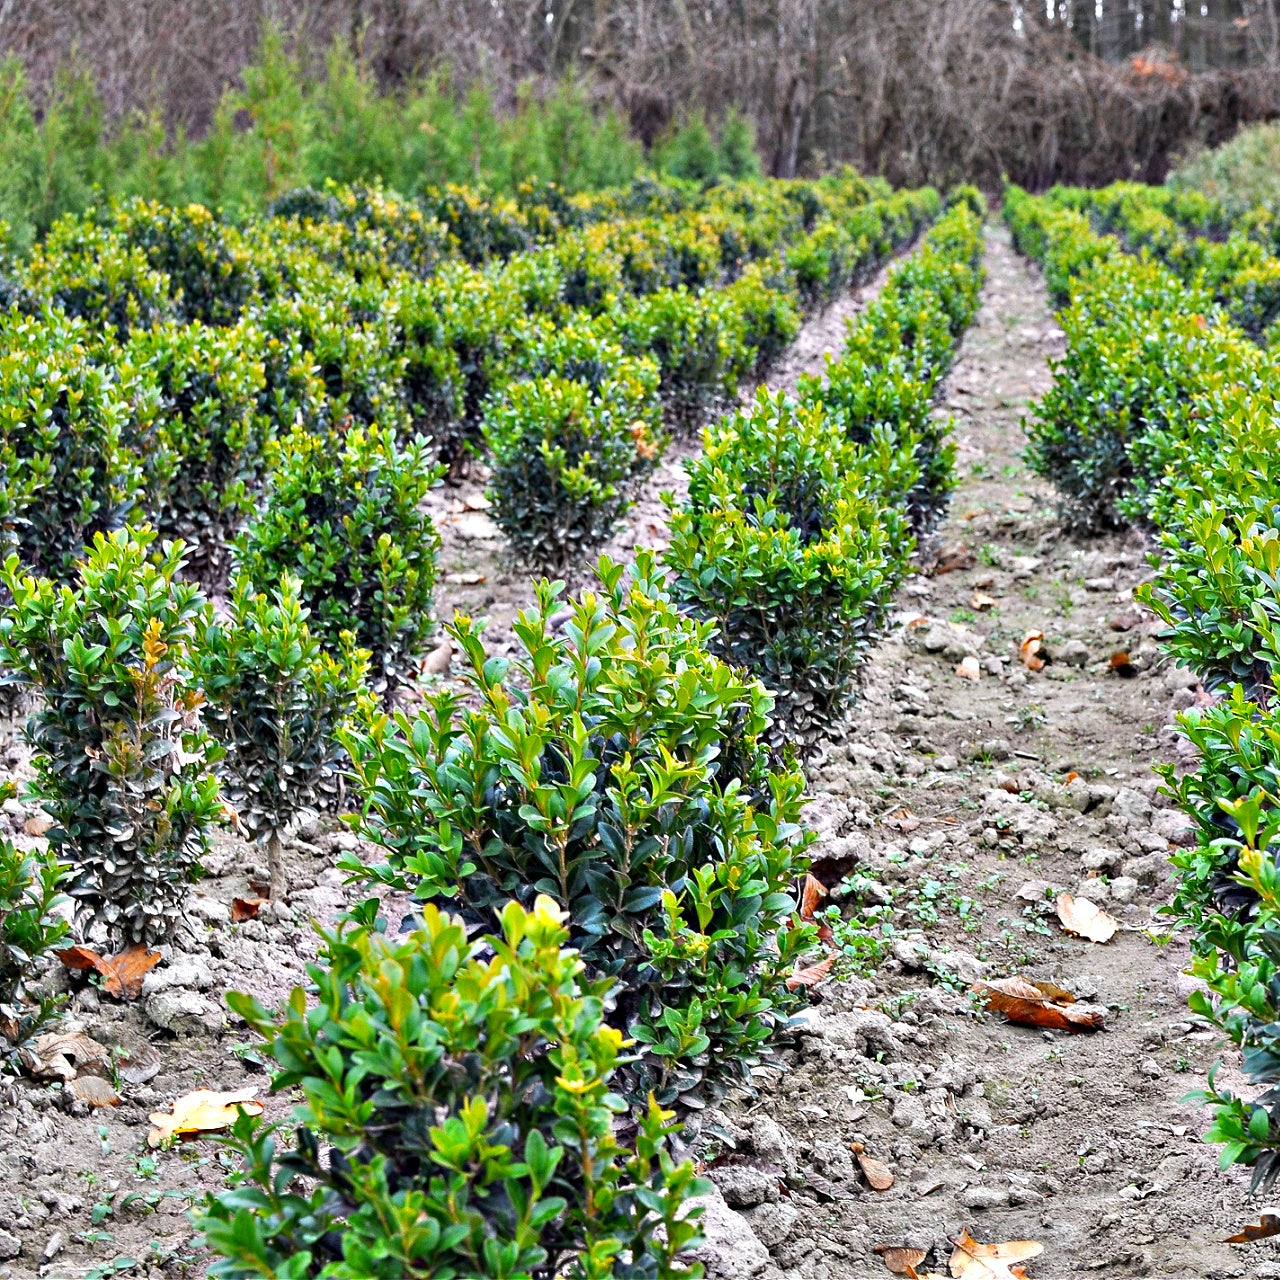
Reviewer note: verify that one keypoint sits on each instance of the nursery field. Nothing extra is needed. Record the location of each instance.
(679, 730)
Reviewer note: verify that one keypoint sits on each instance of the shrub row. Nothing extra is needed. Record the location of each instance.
(610, 789)
(801, 513)
(1234, 260)
(1178, 413)
(569, 445)
(157, 360)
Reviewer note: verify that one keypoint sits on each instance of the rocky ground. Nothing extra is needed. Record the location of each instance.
(948, 814)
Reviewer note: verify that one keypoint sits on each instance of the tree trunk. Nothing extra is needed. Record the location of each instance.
(1084, 24)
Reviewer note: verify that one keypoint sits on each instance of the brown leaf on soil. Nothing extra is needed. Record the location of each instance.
(982, 601)
(950, 559)
(1267, 1226)
(1037, 1004)
(1029, 650)
(139, 1065)
(812, 975)
(878, 1174)
(900, 1260)
(904, 820)
(93, 1090)
(243, 909)
(1085, 919)
(203, 1111)
(63, 1055)
(974, 1261)
(122, 974)
(813, 893)
(968, 668)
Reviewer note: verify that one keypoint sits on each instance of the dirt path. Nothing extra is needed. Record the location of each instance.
(950, 800)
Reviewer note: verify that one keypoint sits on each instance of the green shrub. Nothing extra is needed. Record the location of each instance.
(212, 433)
(1241, 970)
(566, 457)
(211, 275)
(353, 343)
(343, 513)
(1138, 346)
(275, 702)
(792, 541)
(479, 320)
(465, 1091)
(76, 442)
(1240, 174)
(618, 767)
(122, 760)
(699, 342)
(968, 195)
(30, 930)
(770, 318)
(95, 276)
(863, 401)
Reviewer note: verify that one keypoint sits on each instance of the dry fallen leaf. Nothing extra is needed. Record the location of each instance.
(1037, 1004)
(203, 1111)
(1085, 919)
(900, 1260)
(1029, 650)
(1122, 664)
(968, 668)
(812, 975)
(813, 893)
(974, 1261)
(983, 601)
(63, 1055)
(243, 909)
(904, 820)
(878, 1174)
(1268, 1225)
(952, 558)
(122, 974)
(139, 1065)
(93, 1090)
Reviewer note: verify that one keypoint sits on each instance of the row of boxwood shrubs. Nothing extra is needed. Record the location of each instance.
(1165, 413)
(604, 844)
(802, 511)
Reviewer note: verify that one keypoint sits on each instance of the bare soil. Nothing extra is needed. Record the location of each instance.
(943, 800)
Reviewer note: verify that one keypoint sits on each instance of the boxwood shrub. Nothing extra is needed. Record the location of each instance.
(343, 513)
(457, 1119)
(616, 765)
(792, 541)
(122, 758)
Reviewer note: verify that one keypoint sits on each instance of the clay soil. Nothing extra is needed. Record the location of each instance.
(947, 811)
